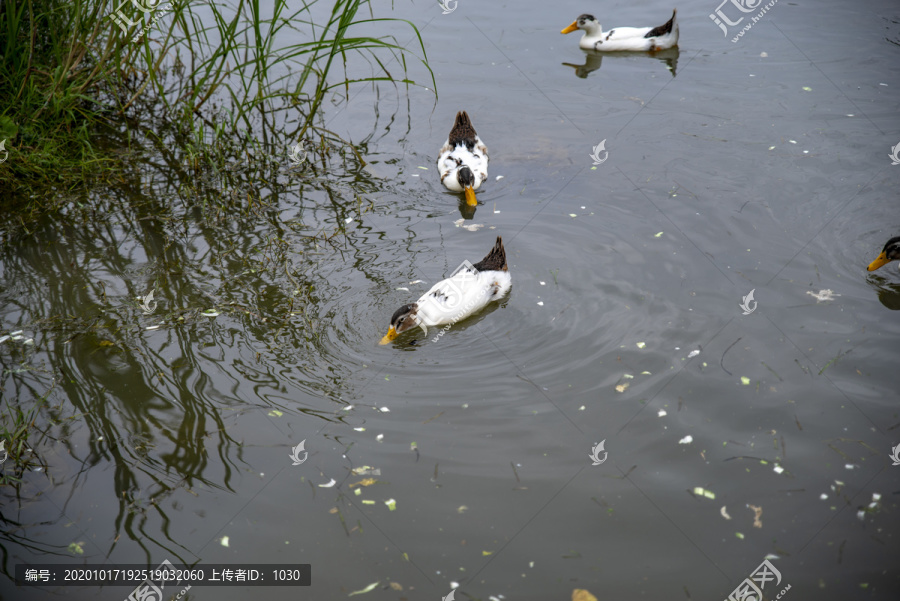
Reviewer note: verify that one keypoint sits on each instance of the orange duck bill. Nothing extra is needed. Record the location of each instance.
(470, 197)
(391, 334)
(879, 261)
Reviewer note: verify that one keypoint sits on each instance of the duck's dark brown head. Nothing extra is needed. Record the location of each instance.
(466, 180)
(403, 319)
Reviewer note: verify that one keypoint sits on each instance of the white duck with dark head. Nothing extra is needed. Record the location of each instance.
(624, 38)
(463, 161)
(467, 291)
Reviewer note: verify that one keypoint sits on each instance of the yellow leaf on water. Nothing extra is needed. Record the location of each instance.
(581, 594)
(622, 387)
(368, 589)
(702, 492)
(364, 482)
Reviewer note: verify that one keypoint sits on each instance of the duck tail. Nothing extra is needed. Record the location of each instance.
(463, 132)
(663, 29)
(495, 260)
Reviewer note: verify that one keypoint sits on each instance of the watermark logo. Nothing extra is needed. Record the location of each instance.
(449, 597)
(895, 454)
(448, 7)
(895, 151)
(298, 153)
(153, 21)
(295, 453)
(145, 6)
(595, 453)
(744, 6)
(148, 305)
(4, 454)
(745, 305)
(601, 147)
(4, 154)
(751, 588)
(450, 296)
(148, 589)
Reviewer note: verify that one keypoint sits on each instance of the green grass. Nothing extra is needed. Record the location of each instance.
(72, 80)
(15, 427)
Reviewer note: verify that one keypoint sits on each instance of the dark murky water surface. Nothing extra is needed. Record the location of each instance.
(742, 172)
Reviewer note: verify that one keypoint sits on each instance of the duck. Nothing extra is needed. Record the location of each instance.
(625, 38)
(467, 291)
(463, 160)
(890, 252)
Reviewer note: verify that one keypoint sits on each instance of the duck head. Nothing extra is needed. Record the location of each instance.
(890, 252)
(586, 22)
(403, 319)
(466, 180)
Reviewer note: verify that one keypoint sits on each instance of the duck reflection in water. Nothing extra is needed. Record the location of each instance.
(594, 59)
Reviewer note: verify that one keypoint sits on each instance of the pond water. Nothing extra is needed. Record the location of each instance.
(757, 166)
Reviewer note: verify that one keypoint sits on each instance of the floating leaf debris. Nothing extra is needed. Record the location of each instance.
(372, 586)
(702, 492)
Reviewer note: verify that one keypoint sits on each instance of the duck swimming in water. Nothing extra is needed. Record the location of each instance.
(463, 159)
(466, 292)
(625, 38)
